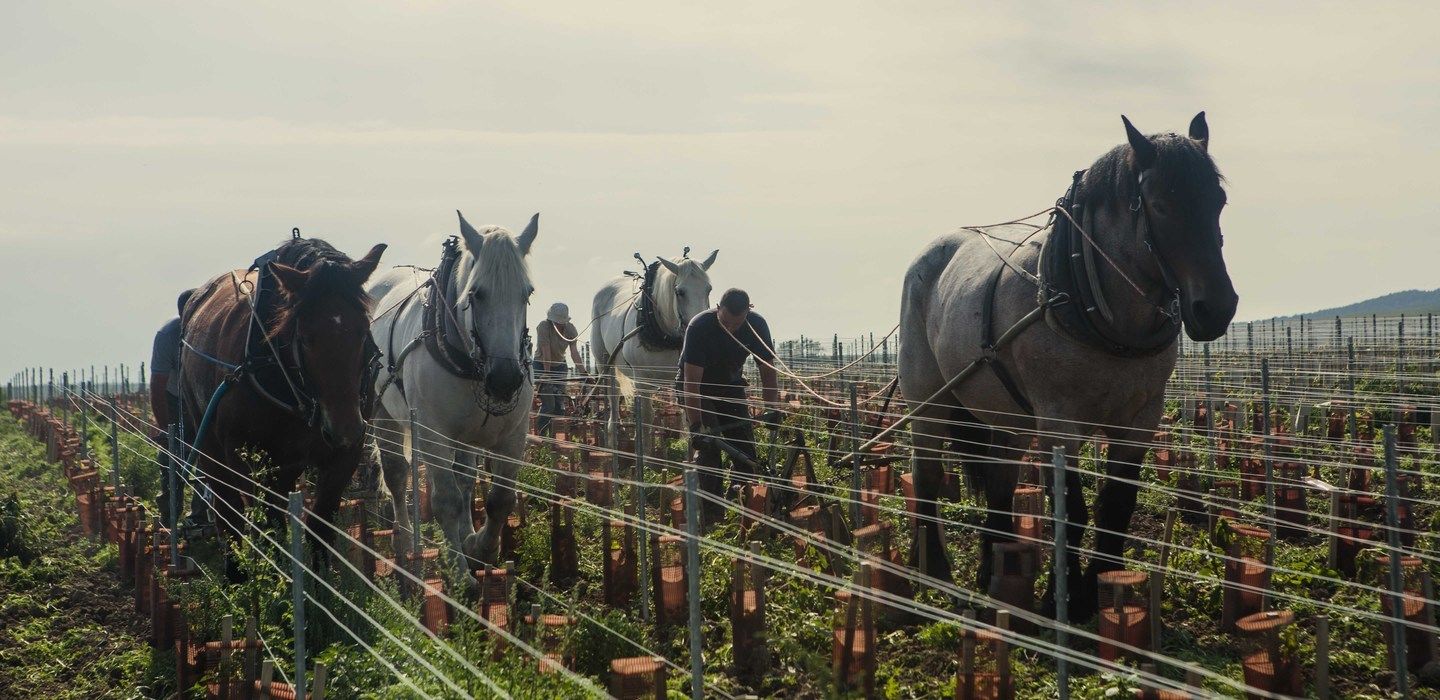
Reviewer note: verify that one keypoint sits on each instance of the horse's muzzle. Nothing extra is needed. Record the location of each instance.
(1206, 320)
(342, 437)
(503, 380)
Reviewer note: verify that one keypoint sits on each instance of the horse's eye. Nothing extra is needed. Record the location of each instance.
(679, 292)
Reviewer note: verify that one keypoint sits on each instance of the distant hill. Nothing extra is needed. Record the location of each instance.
(1410, 301)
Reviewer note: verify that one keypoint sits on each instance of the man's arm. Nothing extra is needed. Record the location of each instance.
(575, 355)
(765, 363)
(769, 385)
(159, 406)
(693, 375)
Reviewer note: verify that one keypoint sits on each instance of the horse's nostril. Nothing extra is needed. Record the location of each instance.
(1200, 310)
(503, 381)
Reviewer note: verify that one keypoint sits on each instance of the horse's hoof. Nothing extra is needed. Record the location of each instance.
(480, 551)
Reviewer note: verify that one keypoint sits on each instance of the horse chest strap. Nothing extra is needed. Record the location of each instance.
(1007, 381)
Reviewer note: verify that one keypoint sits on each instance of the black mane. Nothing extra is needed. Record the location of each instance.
(332, 280)
(1181, 166)
(302, 253)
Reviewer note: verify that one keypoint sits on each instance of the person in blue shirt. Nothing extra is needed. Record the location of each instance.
(165, 405)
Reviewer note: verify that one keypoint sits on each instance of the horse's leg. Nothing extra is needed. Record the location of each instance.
(501, 498)
(927, 470)
(334, 475)
(225, 481)
(285, 478)
(1000, 473)
(1115, 504)
(452, 483)
(1077, 516)
(396, 471)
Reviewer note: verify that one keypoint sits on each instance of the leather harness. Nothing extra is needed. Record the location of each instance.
(1066, 290)
(442, 335)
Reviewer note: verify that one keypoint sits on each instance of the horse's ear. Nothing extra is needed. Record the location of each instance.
(291, 280)
(1142, 152)
(364, 267)
(1200, 131)
(473, 240)
(672, 267)
(710, 260)
(527, 236)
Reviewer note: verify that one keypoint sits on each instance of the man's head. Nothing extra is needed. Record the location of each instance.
(734, 307)
(559, 314)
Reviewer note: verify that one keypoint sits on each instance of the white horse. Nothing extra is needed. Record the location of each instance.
(476, 393)
(681, 289)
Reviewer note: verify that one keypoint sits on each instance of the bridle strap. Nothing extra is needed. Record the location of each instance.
(1171, 307)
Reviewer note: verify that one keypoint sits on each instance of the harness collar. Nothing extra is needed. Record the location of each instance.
(654, 336)
(1070, 284)
(444, 339)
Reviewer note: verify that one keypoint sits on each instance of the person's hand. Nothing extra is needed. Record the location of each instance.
(771, 415)
(772, 419)
(699, 437)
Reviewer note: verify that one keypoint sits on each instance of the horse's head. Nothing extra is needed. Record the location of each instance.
(493, 291)
(326, 319)
(682, 289)
(1175, 191)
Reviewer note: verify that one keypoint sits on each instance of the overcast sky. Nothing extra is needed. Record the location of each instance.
(145, 147)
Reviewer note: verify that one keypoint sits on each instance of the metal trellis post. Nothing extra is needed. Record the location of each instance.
(1269, 463)
(692, 532)
(115, 445)
(297, 589)
(414, 488)
(1061, 586)
(173, 519)
(1354, 423)
(642, 409)
(1397, 583)
(855, 465)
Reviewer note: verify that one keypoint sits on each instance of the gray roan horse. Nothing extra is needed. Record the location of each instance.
(1113, 307)
(638, 332)
(456, 351)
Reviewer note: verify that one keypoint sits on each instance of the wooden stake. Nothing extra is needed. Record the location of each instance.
(317, 690)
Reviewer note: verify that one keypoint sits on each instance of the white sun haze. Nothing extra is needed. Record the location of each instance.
(148, 146)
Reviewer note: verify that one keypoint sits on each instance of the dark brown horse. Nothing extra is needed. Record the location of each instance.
(274, 365)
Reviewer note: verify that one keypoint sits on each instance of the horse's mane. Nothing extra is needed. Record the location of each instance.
(1181, 165)
(667, 305)
(500, 260)
(331, 281)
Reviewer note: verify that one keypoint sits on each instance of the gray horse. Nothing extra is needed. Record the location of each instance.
(476, 393)
(1113, 302)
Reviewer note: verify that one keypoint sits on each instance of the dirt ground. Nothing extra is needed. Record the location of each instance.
(67, 628)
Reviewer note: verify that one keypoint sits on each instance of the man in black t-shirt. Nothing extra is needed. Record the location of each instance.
(712, 364)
